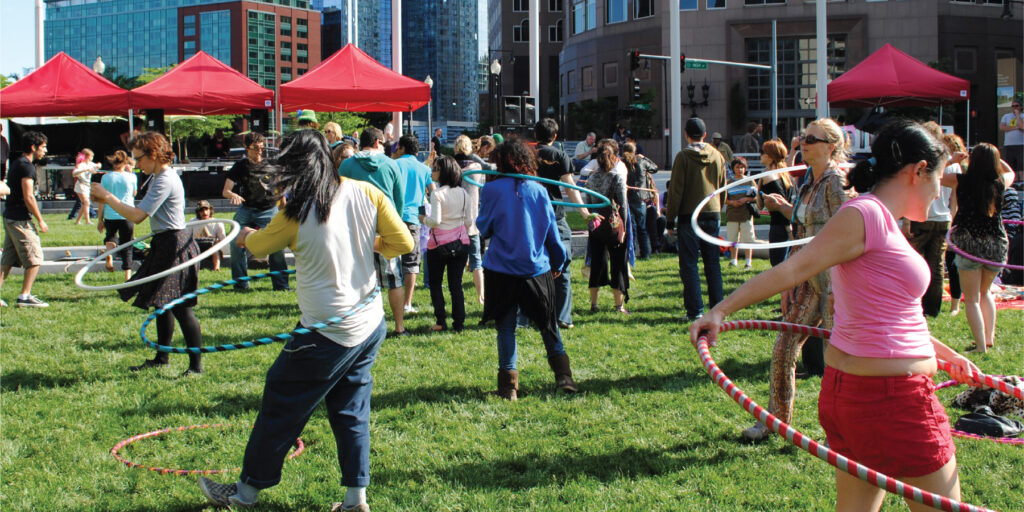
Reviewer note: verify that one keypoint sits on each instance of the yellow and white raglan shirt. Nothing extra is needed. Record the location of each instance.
(334, 261)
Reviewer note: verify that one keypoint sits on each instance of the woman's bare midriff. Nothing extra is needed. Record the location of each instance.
(877, 366)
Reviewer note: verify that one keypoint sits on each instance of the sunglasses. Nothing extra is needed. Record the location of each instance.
(1016, 105)
(811, 139)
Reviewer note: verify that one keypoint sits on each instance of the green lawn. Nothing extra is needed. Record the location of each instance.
(649, 431)
(64, 232)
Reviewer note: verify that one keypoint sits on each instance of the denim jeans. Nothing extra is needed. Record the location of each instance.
(311, 369)
(437, 264)
(507, 352)
(246, 216)
(638, 215)
(690, 248)
(563, 286)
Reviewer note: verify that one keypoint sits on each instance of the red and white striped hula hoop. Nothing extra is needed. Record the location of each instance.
(299, 448)
(967, 435)
(794, 436)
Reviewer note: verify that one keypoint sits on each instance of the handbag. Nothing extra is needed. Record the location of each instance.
(984, 422)
(455, 248)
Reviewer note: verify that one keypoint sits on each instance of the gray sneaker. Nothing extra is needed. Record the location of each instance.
(224, 495)
(362, 507)
(3, 304)
(758, 432)
(32, 302)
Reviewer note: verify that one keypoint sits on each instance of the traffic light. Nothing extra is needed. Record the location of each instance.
(636, 89)
(634, 60)
(682, 63)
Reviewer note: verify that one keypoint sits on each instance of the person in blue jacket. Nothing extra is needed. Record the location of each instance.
(524, 257)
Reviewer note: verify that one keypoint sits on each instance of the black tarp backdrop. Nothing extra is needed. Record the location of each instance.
(65, 140)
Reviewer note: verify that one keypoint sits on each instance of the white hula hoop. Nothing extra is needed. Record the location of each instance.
(724, 243)
(235, 229)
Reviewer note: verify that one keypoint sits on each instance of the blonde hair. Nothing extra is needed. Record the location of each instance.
(841, 153)
(334, 129)
(463, 146)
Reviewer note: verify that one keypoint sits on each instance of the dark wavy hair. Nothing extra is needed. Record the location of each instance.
(981, 185)
(154, 145)
(32, 138)
(897, 145)
(607, 153)
(514, 157)
(304, 170)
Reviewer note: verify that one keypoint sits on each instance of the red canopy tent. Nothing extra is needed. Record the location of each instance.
(352, 81)
(201, 85)
(62, 87)
(890, 77)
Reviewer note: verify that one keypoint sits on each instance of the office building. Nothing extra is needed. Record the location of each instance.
(371, 32)
(267, 40)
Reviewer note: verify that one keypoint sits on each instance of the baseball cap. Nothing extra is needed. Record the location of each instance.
(695, 127)
(716, 135)
(307, 115)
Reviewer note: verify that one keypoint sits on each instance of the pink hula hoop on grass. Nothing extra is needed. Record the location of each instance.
(961, 252)
(794, 436)
(967, 435)
(299, 448)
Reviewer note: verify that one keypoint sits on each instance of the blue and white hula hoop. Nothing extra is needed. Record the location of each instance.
(159, 275)
(245, 344)
(606, 201)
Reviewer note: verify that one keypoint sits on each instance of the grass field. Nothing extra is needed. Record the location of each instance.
(649, 431)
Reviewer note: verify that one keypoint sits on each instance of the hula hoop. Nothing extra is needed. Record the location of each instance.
(794, 436)
(285, 336)
(299, 448)
(983, 261)
(723, 243)
(160, 275)
(607, 202)
(968, 435)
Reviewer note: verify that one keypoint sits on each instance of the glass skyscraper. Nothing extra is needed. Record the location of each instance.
(439, 38)
(131, 35)
(374, 27)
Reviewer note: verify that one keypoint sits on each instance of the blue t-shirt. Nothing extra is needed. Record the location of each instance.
(122, 185)
(417, 179)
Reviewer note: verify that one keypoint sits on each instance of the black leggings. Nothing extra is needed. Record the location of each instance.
(189, 328)
(124, 231)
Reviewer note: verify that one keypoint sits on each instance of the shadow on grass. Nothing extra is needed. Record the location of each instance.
(535, 470)
(224, 405)
(26, 380)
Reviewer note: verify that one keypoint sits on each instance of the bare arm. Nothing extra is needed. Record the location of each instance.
(574, 195)
(132, 213)
(841, 240)
(227, 193)
(28, 191)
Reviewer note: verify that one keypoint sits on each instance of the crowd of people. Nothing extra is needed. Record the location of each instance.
(372, 215)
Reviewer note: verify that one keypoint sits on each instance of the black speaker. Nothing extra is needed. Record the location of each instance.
(512, 110)
(155, 121)
(529, 110)
(259, 120)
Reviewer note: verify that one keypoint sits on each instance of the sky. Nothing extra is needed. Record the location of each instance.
(17, 31)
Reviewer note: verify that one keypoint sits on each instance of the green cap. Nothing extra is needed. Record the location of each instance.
(498, 139)
(307, 115)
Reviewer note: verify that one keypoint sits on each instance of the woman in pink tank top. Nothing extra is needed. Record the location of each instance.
(877, 402)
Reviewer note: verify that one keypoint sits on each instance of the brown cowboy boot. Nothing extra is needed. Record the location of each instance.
(508, 385)
(563, 373)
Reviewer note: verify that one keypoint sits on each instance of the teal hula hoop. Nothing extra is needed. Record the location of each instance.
(285, 336)
(605, 200)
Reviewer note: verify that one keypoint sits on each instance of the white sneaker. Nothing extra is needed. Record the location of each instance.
(3, 304)
(733, 263)
(410, 309)
(749, 265)
(31, 302)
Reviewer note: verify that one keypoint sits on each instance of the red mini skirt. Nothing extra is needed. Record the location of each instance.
(894, 425)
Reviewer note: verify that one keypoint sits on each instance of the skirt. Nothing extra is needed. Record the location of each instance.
(167, 249)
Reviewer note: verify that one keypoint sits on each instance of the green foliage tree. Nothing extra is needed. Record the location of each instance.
(183, 131)
(7, 80)
(120, 80)
(150, 74)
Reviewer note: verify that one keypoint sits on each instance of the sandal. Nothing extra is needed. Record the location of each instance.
(438, 328)
(621, 309)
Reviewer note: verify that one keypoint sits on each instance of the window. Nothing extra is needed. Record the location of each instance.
(584, 16)
(611, 74)
(286, 45)
(716, 4)
(617, 11)
(302, 71)
(302, 60)
(687, 5)
(570, 78)
(587, 73)
(521, 32)
(555, 5)
(643, 9)
(555, 31)
(765, 2)
(797, 57)
(520, 5)
(965, 59)
(189, 25)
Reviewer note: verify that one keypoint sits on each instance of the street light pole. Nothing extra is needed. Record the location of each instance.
(496, 96)
(430, 83)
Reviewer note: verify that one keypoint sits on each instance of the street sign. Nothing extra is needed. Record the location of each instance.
(696, 65)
